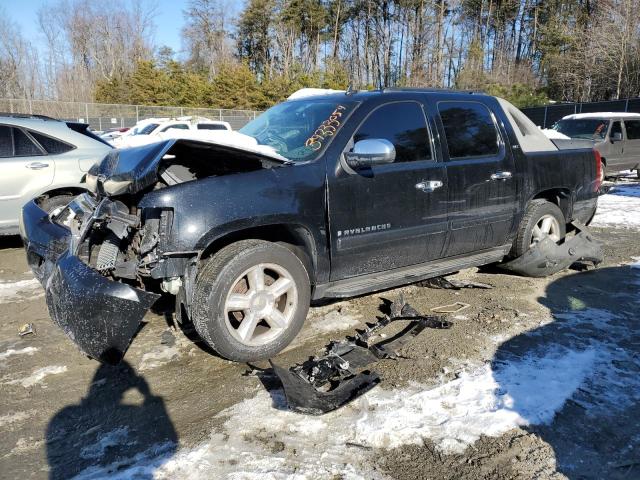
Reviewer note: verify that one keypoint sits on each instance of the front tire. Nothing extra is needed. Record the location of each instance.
(251, 300)
(542, 218)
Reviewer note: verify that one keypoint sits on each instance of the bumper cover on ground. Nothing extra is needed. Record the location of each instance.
(99, 315)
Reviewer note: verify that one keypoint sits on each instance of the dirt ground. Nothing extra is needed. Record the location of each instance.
(62, 414)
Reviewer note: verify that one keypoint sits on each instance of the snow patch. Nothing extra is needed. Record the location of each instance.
(620, 207)
(15, 417)
(39, 375)
(158, 357)
(312, 92)
(20, 290)
(335, 321)
(280, 444)
(115, 437)
(23, 351)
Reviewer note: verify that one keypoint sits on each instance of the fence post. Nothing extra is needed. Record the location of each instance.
(544, 122)
(220, 114)
(626, 105)
(86, 112)
(137, 114)
(10, 106)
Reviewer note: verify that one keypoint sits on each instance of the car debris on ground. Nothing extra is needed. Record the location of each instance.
(323, 384)
(451, 283)
(547, 257)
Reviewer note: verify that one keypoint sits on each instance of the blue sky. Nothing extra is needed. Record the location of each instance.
(169, 19)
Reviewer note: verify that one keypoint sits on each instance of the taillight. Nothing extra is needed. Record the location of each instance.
(598, 180)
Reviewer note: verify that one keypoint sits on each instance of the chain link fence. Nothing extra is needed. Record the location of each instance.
(103, 116)
(546, 116)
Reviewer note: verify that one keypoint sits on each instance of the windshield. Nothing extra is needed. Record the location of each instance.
(299, 130)
(146, 130)
(590, 129)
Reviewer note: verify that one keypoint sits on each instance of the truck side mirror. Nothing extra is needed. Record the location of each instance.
(616, 137)
(370, 152)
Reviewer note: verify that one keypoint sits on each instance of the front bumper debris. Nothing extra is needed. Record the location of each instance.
(99, 315)
(547, 257)
(323, 384)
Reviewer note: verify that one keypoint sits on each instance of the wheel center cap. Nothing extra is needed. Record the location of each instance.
(260, 302)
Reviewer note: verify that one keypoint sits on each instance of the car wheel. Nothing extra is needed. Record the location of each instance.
(251, 300)
(55, 204)
(541, 219)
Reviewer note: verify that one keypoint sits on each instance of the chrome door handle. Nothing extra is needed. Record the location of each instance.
(428, 185)
(501, 175)
(37, 165)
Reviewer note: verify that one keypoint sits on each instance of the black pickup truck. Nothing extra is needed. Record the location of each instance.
(331, 195)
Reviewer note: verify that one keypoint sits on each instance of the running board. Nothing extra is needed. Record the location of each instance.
(351, 287)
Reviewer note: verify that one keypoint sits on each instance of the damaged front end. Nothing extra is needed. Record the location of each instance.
(75, 256)
(101, 258)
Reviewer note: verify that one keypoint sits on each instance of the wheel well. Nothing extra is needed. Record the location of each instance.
(558, 196)
(62, 191)
(297, 238)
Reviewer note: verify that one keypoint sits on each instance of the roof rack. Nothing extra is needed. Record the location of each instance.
(431, 89)
(27, 115)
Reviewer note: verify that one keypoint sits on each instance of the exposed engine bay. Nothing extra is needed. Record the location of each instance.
(121, 241)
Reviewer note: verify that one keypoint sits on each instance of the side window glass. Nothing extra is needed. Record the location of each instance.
(6, 142)
(469, 129)
(616, 127)
(180, 126)
(51, 145)
(404, 125)
(633, 129)
(24, 146)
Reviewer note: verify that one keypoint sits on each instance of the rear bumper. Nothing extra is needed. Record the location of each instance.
(99, 315)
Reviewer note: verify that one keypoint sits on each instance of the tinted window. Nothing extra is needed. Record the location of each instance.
(633, 129)
(6, 142)
(23, 145)
(404, 125)
(469, 129)
(211, 126)
(51, 145)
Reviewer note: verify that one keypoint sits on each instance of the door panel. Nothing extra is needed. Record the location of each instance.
(615, 148)
(632, 147)
(25, 170)
(481, 178)
(392, 215)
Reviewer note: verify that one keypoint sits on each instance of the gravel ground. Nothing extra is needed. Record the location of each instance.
(538, 378)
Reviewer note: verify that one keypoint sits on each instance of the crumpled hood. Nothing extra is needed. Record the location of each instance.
(130, 170)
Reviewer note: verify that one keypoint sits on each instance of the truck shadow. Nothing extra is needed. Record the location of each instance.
(119, 422)
(576, 380)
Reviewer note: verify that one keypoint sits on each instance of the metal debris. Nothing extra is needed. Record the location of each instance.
(452, 308)
(27, 329)
(326, 383)
(452, 283)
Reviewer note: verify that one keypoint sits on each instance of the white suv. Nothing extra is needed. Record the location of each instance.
(43, 157)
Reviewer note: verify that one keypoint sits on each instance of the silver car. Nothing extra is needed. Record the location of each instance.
(615, 135)
(43, 157)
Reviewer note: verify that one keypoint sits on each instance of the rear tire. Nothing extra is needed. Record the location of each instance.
(251, 300)
(540, 213)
